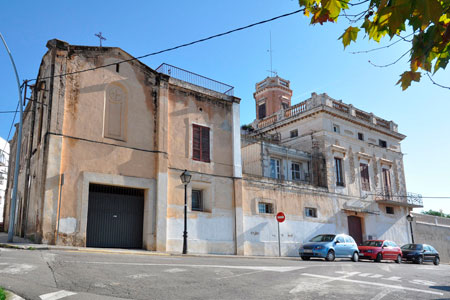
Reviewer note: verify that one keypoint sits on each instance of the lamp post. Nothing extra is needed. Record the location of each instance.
(185, 179)
(410, 219)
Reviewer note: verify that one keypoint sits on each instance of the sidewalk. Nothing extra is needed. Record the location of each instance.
(24, 244)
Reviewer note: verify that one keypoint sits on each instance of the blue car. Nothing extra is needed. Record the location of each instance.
(330, 246)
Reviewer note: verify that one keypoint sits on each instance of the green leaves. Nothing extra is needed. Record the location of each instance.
(407, 77)
(350, 34)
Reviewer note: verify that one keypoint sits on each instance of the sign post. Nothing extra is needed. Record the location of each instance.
(280, 218)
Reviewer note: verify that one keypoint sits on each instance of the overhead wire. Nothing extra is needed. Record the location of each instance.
(175, 47)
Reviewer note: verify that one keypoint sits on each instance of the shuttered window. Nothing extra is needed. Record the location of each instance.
(387, 183)
(339, 173)
(365, 183)
(200, 143)
(262, 111)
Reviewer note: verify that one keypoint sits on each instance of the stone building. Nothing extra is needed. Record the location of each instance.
(329, 166)
(4, 158)
(103, 151)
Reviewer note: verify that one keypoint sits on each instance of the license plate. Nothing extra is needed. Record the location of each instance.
(307, 250)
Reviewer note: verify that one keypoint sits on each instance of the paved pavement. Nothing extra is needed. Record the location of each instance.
(77, 274)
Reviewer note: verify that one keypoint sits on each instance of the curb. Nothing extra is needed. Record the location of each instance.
(11, 296)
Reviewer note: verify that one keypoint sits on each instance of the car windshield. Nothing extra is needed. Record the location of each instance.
(372, 243)
(323, 238)
(412, 247)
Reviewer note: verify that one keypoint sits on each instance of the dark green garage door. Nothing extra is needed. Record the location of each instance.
(115, 217)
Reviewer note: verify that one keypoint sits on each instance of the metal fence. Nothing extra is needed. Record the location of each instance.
(196, 79)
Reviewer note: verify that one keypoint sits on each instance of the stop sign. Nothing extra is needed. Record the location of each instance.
(281, 217)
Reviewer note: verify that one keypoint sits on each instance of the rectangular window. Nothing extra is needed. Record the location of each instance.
(200, 143)
(262, 111)
(197, 200)
(365, 183)
(284, 105)
(311, 212)
(336, 128)
(389, 210)
(382, 143)
(360, 136)
(265, 208)
(294, 133)
(339, 173)
(387, 183)
(296, 171)
(275, 168)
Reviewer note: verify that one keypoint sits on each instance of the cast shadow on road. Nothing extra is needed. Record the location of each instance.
(445, 288)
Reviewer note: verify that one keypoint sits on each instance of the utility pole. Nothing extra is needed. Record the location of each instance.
(12, 213)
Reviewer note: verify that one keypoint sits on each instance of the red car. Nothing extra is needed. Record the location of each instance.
(378, 250)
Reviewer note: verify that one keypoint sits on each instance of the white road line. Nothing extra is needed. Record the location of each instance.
(381, 295)
(375, 276)
(231, 276)
(398, 287)
(56, 295)
(256, 268)
(393, 278)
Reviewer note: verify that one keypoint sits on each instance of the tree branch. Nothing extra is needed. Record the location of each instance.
(392, 63)
(435, 83)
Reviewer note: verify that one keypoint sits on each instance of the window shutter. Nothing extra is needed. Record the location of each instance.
(365, 184)
(205, 144)
(262, 111)
(196, 142)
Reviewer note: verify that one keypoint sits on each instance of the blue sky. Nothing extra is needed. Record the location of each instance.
(310, 57)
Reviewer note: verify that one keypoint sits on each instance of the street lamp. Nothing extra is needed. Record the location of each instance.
(410, 219)
(185, 179)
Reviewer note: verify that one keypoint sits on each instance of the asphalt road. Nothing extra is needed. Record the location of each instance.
(53, 275)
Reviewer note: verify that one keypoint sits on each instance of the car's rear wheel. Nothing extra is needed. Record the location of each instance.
(436, 261)
(419, 260)
(379, 257)
(305, 257)
(399, 259)
(355, 256)
(330, 256)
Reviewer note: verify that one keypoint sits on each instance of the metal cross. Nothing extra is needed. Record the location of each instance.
(100, 37)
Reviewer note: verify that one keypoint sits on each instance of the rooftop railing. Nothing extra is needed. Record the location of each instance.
(196, 79)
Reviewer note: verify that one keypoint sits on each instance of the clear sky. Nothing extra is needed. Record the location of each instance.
(310, 57)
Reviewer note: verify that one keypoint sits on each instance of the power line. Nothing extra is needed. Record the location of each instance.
(176, 47)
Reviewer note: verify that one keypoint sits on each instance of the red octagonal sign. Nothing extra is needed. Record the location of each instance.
(281, 217)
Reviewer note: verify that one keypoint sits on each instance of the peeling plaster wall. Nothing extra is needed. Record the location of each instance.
(260, 230)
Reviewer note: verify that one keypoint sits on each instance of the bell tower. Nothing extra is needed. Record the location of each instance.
(271, 95)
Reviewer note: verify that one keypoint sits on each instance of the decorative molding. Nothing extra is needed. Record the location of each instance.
(340, 149)
(386, 161)
(363, 155)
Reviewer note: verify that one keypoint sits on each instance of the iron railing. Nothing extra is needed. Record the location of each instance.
(410, 198)
(196, 79)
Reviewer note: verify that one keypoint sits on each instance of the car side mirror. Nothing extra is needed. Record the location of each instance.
(337, 242)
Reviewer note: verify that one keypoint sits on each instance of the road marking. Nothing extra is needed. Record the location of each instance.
(139, 276)
(175, 270)
(237, 275)
(393, 278)
(375, 276)
(347, 273)
(423, 282)
(17, 268)
(398, 287)
(301, 287)
(56, 295)
(256, 268)
(380, 295)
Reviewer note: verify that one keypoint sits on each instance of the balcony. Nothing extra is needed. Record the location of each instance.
(385, 196)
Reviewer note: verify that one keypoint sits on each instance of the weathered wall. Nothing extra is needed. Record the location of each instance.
(260, 230)
(434, 231)
(210, 230)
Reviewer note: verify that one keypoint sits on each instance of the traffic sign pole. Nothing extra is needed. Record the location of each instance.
(280, 219)
(279, 242)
